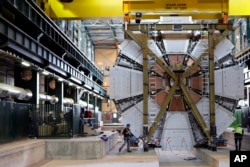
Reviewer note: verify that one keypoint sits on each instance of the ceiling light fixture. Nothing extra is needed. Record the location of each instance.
(25, 63)
(60, 79)
(45, 72)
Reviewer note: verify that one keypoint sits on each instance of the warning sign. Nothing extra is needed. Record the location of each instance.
(176, 6)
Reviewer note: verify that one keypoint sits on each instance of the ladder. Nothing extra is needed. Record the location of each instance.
(152, 78)
(204, 66)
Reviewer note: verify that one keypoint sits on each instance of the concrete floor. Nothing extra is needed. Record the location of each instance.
(138, 158)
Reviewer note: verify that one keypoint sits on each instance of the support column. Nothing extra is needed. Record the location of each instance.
(211, 90)
(37, 94)
(87, 100)
(60, 95)
(145, 83)
(95, 113)
(248, 31)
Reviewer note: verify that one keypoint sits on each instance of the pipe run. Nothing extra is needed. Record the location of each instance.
(15, 92)
(67, 100)
(52, 99)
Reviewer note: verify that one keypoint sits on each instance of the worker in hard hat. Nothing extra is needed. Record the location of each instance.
(238, 135)
(126, 137)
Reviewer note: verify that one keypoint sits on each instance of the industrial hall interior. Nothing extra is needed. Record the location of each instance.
(75, 73)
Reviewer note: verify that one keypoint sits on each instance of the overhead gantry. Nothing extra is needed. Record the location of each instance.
(151, 9)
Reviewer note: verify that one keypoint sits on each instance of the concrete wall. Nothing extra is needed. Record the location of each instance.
(80, 148)
(217, 158)
(22, 154)
(30, 152)
(112, 141)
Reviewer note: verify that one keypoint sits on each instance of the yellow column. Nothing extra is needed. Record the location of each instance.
(211, 89)
(145, 83)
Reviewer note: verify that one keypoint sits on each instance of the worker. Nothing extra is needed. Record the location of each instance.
(126, 137)
(238, 135)
(81, 124)
(127, 18)
(52, 122)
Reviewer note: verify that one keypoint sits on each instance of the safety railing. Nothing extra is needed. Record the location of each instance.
(15, 121)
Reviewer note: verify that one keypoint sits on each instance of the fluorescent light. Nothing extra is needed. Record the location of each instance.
(87, 86)
(45, 72)
(25, 63)
(60, 79)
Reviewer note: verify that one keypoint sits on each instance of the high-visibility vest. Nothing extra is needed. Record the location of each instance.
(239, 130)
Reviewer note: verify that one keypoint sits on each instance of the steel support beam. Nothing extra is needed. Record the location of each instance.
(162, 111)
(211, 88)
(194, 65)
(29, 49)
(146, 52)
(177, 27)
(145, 83)
(34, 14)
(158, 61)
(162, 64)
(194, 110)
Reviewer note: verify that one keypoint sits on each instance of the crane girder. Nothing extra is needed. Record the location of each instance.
(150, 9)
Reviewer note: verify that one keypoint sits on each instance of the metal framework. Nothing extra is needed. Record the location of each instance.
(145, 28)
(28, 42)
(150, 9)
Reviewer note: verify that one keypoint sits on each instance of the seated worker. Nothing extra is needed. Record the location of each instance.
(51, 121)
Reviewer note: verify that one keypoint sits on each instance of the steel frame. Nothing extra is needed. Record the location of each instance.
(32, 50)
(49, 28)
(145, 28)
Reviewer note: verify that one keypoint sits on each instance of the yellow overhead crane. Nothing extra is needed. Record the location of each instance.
(150, 9)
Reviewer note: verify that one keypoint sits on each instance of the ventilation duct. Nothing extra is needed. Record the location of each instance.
(15, 92)
(51, 99)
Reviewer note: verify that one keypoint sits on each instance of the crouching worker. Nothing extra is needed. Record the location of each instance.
(126, 136)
